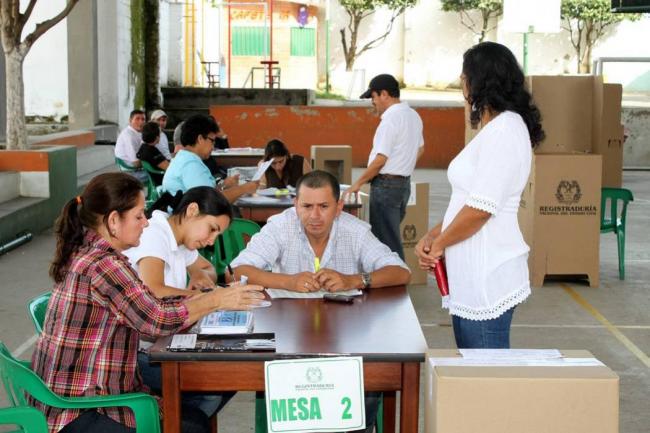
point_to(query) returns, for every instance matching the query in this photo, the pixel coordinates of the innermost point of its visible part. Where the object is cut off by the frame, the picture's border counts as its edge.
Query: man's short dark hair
(196, 125)
(150, 131)
(319, 179)
(134, 113)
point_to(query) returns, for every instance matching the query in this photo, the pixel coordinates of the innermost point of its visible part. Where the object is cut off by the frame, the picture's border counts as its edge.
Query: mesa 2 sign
(568, 194)
(315, 395)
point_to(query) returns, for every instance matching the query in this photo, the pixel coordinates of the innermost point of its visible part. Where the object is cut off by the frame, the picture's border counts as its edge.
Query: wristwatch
(365, 279)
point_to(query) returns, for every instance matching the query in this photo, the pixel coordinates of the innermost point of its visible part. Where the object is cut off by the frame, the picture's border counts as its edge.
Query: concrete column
(83, 93)
(3, 98)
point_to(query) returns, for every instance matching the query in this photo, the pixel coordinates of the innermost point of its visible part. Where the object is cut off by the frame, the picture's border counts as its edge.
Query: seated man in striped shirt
(282, 255)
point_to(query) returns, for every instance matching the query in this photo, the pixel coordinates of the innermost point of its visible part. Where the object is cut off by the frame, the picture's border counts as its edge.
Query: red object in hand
(440, 271)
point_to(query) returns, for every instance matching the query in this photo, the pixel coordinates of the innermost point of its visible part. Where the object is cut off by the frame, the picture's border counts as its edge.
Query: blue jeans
(483, 334)
(208, 403)
(388, 198)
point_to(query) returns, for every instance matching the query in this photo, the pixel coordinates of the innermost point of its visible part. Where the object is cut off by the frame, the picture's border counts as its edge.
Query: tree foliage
(587, 21)
(357, 11)
(489, 10)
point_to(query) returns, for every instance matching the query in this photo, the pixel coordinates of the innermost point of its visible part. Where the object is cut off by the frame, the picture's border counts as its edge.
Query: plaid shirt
(92, 327)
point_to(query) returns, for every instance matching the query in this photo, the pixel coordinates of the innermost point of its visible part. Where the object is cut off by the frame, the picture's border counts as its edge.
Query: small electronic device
(332, 297)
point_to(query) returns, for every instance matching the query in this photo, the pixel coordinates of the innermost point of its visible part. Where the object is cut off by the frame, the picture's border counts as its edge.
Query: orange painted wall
(79, 139)
(23, 160)
(300, 127)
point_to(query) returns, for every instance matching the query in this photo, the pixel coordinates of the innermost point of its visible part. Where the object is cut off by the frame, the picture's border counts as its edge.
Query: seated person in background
(168, 254)
(351, 257)
(187, 169)
(130, 139)
(99, 309)
(286, 169)
(160, 117)
(220, 142)
(149, 151)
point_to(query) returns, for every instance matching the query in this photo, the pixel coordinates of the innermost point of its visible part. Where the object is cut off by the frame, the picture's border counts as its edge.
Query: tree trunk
(16, 128)
(585, 64)
(152, 54)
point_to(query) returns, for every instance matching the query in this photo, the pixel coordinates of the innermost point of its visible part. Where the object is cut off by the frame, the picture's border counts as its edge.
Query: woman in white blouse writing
(485, 253)
(168, 262)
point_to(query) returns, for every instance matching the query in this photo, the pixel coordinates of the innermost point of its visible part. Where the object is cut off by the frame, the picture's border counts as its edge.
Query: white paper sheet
(262, 169)
(549, 362)
(510, 354)
(183, 341)
(256, 199)
(287, 294)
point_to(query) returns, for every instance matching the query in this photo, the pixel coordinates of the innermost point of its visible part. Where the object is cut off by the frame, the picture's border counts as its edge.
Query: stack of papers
(288, 294)
(226, 322)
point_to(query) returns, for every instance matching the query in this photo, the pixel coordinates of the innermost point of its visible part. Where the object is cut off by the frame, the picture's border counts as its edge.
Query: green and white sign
(315, 395)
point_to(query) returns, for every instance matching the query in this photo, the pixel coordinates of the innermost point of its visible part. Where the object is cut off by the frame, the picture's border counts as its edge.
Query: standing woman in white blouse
(485, 253)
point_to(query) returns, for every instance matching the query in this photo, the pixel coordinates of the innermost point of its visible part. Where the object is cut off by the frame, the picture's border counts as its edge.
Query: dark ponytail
(103, 195)
(495, 81)
(209, 200)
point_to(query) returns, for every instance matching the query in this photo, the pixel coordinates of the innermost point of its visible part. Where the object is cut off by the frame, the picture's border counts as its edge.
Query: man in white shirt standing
(396, 147)
(160, 117)
(130, 139)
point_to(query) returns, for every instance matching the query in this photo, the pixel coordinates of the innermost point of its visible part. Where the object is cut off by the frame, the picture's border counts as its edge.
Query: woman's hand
(237, 297)
(199, 281)
(231, 181)
(428, 252)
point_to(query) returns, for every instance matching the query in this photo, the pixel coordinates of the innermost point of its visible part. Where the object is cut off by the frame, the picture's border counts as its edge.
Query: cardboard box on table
(559, 216)
(336, 160)
(413, 227)
(517, 399)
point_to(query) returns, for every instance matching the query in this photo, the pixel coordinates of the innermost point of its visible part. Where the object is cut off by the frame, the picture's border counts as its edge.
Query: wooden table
(260, 209)
(238, 157)
(381, 326)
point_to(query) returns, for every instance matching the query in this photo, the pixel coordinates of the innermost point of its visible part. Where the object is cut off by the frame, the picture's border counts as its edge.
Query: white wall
(174, 45)
(45, 70)
(114, 57)
(431, 43)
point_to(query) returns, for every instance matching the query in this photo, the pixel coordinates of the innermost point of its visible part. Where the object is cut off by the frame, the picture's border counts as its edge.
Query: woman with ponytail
(484, 250)
(168, 255)
(99, 308)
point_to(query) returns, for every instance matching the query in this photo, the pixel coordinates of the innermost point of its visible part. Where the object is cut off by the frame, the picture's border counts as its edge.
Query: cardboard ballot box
(336, 160)
(607, 131)
(413, 227)
(565, 103)
(580, 398)
(559, 216)
(580, 114)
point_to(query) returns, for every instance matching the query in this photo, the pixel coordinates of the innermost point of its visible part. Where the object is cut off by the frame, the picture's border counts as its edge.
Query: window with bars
(250, 41)
(303, 42)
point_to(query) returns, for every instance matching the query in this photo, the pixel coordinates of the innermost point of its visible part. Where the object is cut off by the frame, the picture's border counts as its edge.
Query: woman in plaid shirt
(99, 308)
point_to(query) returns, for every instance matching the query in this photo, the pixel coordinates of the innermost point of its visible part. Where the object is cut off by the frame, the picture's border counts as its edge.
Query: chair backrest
(123, 165)
(27, 418)
(19, 381)
(37, 309)
(234, 241)
(151, 169)
(609, 215)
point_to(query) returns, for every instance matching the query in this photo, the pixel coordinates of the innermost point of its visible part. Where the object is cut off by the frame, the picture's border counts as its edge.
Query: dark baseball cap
(381, 82)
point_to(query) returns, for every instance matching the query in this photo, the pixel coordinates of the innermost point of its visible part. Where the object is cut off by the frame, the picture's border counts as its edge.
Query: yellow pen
(316, 264)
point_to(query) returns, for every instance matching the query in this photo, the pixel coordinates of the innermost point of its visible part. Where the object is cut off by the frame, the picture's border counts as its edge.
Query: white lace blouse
(488, 272)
